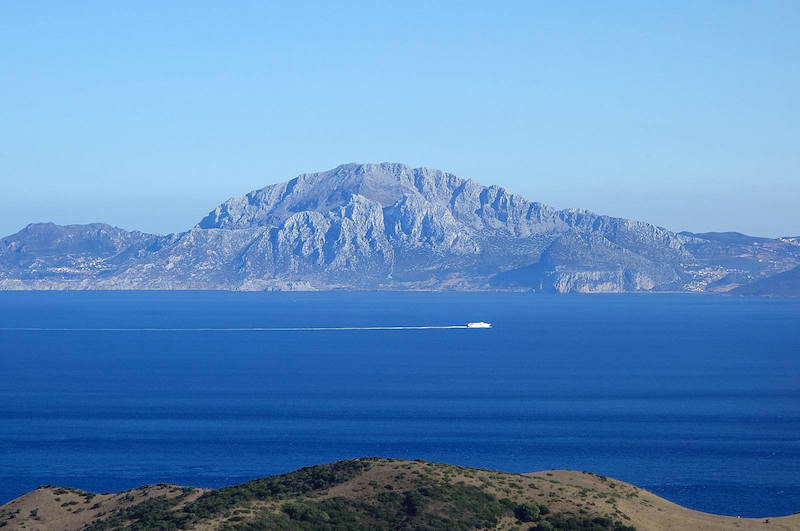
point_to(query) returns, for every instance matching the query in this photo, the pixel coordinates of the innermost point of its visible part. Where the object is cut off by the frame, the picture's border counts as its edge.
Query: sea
(694, 397)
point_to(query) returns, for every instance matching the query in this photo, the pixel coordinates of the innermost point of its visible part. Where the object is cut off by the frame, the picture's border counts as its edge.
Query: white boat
(479, 324)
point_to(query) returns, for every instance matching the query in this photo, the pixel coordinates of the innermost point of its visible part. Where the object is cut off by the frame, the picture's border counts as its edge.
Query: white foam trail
(259, 329)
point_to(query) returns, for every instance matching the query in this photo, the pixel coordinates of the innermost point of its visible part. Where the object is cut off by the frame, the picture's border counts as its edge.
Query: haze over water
(695, 398)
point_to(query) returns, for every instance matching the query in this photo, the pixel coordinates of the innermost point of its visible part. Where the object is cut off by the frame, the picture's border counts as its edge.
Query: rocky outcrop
(367, 226)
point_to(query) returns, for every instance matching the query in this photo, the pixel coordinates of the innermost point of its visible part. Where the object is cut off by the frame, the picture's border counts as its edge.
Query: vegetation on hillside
(409, 495)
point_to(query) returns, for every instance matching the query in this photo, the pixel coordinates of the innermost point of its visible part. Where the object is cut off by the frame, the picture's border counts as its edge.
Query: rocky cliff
(389, 226)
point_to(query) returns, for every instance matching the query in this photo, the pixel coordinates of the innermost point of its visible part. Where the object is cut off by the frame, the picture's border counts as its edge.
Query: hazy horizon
(147, 116)
(201, 215)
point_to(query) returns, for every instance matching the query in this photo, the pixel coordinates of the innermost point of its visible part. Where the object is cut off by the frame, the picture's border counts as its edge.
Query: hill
(389, 226)
(376, 493)
(786, 284)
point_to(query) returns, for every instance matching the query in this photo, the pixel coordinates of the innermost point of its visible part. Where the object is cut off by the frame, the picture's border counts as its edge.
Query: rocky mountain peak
(388, 225)
(384, 183)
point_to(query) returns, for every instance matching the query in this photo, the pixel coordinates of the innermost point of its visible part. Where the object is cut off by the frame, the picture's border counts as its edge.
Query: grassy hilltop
(375, 493)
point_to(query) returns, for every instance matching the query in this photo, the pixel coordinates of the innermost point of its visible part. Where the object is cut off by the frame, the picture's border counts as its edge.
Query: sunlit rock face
(368, 226)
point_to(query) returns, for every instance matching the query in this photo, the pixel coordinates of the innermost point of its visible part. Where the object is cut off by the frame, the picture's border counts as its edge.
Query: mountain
(389, 226)
(376, 493)
(786, 284)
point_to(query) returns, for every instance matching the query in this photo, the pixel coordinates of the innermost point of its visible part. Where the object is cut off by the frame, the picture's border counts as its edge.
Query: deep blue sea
(696, 398)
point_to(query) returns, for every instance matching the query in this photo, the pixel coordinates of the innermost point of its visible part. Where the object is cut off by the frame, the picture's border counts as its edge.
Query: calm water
(696, 398)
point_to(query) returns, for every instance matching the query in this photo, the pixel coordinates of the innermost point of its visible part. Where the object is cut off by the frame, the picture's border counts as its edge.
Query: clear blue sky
(148, 114)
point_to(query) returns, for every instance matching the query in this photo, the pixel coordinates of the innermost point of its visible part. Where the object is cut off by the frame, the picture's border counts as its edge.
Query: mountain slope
(389, 226)
(42, 252)
(376, 493)
(786, 284)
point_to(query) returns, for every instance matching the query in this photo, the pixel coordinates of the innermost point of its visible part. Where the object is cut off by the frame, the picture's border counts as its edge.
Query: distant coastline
(392, 227)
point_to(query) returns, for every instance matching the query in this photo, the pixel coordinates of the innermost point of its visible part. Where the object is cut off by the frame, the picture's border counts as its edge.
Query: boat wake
(243, 329)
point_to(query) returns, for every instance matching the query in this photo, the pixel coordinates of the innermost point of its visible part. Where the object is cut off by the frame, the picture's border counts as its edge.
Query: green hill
(373, 493)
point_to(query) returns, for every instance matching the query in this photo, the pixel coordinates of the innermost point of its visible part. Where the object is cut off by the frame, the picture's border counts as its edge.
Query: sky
(146, 115)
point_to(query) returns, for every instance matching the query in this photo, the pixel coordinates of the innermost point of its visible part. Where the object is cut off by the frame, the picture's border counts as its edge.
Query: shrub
(526, 512)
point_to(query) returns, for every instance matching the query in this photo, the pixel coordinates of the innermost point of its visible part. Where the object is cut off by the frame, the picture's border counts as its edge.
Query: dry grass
(564, 492)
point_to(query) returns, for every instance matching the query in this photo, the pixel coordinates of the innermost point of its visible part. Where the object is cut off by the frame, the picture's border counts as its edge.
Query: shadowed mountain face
(376, 493)
(786, 284)
(367, 226)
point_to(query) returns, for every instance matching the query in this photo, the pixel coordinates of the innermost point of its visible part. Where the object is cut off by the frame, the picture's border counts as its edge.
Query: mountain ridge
(390, 226)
